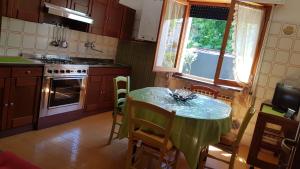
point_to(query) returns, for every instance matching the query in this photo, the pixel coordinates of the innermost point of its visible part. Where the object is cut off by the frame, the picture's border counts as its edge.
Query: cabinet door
(127, 23)
(107, 94)
(81, 6)
(28, 10)
(93, 93)
(98, 13)
(113, 23)
(62, 3)
(24, 101)
(4, 91)
(4, 7)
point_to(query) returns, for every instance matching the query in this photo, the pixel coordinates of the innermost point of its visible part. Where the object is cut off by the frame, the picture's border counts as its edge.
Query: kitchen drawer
(109, 71)
(27, 71)
(5, 72)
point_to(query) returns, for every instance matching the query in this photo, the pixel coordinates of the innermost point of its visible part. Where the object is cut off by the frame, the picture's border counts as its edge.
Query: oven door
(63, 94)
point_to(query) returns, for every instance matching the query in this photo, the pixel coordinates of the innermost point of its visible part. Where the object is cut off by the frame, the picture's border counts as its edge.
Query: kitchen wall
(280, 62)
(18, 36)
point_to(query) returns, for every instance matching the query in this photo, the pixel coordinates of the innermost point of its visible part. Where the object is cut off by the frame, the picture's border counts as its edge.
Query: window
(215, 43)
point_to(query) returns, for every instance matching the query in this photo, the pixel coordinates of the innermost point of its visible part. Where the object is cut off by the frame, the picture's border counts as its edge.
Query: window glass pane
(171, 27)
(202, 47)
(238, 61)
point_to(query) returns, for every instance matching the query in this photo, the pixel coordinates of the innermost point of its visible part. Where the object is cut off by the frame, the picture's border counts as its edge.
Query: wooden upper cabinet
(62, 3)
(113, 23)
(98, 13)
(4, 7)
(81, 6)
(127, 24)
(28, 10)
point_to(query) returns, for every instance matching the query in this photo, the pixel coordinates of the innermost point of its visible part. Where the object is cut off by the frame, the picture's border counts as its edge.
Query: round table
(198, 122)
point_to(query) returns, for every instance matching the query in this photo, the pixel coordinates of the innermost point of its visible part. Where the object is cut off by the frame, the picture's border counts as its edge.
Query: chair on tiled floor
(121, 89)
(149, 137)
(230, 141)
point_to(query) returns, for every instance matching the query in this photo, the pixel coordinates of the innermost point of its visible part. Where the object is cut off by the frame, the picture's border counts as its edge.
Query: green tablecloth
(198, 122)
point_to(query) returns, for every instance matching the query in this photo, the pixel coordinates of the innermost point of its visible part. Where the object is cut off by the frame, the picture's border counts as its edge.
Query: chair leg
(129, 154)
(232, 160)
(112, 128)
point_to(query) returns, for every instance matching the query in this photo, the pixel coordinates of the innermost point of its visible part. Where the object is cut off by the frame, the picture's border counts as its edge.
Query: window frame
(216, 80)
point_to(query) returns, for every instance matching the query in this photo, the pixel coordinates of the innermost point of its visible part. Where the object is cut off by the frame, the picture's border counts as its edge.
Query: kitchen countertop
(21, 61)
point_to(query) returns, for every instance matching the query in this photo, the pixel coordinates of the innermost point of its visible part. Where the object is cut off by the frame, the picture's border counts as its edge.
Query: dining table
(198, 123)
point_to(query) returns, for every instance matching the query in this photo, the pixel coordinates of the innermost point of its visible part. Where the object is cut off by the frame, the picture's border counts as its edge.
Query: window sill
(182, 76)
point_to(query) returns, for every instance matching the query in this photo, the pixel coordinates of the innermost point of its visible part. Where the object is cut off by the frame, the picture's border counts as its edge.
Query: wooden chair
(230, 141)
(156, 145)
(120, 93)
(205, 90)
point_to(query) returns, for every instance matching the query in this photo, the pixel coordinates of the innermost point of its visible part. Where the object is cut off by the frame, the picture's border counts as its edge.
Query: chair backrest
(134, 122)
(245, 122)
(205, 90)
(121, 90)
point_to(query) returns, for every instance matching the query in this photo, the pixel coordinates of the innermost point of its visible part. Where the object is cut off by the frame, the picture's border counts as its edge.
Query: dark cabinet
(20, 96)
(62, 3)
(4, 7)
(127, 24)
(28, 10)
(99, 96)
(98, 13)
(81, 6)
(114, 18)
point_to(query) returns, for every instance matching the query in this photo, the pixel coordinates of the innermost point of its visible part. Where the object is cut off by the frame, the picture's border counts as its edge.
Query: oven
(62, 92)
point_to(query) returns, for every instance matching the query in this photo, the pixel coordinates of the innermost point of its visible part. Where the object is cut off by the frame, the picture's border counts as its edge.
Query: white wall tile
(275, 28)
(282, 56)
(73, 46)
(293, 73)
(263, 80)
(295, 59)
(269, 55)
(272, 41)
(278, 70)
(74, 35)
(5, 22)
(28, 41)
(265, 67)
(43, 29)
(14, 40)
(13, 52)
(285, 43)
(297, 46)
(83, 37)
(3, 38)
(41, 43)
(273, 81)
(2, 52)
(16, 25)
(269, 94)
(260, 92)
(30, 27)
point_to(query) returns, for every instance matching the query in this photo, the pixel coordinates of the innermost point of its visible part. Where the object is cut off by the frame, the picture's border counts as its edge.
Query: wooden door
(113, 23)
(93, 93)
(81, 6)
(98, 13)
(62, 3)
(24, 101)
(107, 94)
(28, 10)
(4, 95)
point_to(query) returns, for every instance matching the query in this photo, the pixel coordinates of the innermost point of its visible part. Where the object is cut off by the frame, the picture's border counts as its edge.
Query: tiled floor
(82, 145)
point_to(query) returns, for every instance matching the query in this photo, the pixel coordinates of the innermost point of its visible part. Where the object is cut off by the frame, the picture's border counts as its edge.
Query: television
(285, 97)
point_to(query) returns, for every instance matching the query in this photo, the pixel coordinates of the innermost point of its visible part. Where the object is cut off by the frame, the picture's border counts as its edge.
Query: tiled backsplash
(19, 36)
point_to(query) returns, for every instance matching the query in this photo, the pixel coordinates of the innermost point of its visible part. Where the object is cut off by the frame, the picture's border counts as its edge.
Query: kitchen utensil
(54, 42)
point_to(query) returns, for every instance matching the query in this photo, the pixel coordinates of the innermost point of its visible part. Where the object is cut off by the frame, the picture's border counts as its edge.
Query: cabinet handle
(12, 104)
(5, 105)
(28, 72)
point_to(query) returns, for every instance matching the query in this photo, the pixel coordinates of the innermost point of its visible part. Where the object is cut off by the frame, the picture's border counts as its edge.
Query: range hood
(68, 13)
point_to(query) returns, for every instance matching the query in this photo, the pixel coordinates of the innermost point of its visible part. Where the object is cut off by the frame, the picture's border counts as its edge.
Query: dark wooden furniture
(100, 90)
(288, 128)
(28, 10)
(20, 89)
(62, 3)
(98, 13)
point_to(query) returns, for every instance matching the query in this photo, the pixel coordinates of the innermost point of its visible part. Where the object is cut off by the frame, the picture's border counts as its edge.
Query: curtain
(248, 23)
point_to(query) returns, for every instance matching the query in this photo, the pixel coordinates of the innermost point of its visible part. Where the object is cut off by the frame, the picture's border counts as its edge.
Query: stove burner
(52, 59)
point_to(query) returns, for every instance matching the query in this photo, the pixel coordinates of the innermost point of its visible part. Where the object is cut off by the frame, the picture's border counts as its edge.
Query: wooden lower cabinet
(20, 97)
(99, 96)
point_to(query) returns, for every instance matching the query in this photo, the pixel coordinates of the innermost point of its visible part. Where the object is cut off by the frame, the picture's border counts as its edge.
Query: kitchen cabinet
(114, 18)
(98, 13)
(81, 6)
(62, 3)
(4, 7)
(127, 24)
(20, 96)
(28, 10)
(99, 96)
